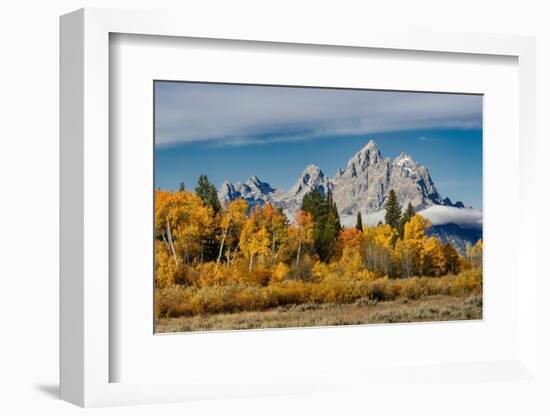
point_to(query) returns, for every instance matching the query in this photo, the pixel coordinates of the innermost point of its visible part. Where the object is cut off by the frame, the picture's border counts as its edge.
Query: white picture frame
(86, 356)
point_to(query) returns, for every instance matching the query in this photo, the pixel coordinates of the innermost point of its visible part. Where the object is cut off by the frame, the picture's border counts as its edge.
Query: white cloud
(437, 214)
(242, 115)
(371, 219)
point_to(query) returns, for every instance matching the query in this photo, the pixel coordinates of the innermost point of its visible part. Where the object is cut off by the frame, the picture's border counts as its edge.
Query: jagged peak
(362, 184)
(371, 145)
(313, 168)
(312, 177)
(254, 180)
(366, 156)
(312, 173)
(371, 148)
(227, 185)
(255, 183)
(404, 159)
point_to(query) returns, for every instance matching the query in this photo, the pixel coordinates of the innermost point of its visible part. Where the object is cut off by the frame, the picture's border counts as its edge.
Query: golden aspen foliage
(378, 249)
(301, 233)
(352, 263)
(415, 228)
(279, 272)
(260, 260)
(433, 258)
(383, 235)
(165, 269)
(275, 223)
(254, 239)
(320, 270)
(474, 254)
(232, 218)
(453, 263)
(407, 255)
(182, 221)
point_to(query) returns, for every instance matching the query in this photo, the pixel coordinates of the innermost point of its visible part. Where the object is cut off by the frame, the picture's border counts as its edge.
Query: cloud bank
(437, 214)
(466, 217)
(244, 115)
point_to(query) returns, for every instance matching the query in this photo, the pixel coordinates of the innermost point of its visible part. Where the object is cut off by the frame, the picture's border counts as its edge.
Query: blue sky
(235, 131)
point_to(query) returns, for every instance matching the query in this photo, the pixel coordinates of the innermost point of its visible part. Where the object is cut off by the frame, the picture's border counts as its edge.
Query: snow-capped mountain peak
(368, 155)
(254, 191)
(255, 184)
(311, 178)
(362, 186)
(404, 160)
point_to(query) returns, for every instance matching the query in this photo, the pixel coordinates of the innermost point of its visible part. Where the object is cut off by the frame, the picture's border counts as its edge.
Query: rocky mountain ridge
(362, 185)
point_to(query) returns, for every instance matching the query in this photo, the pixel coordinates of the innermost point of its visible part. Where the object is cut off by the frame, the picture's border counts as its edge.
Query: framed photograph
(251, 233)
(274, 212)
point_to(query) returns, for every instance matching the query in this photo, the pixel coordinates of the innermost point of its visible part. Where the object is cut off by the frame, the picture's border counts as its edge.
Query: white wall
(29, 178)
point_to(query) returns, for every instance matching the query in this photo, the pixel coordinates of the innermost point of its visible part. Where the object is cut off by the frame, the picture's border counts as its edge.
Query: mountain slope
(362, 185)
(367, 179)
(458, 236)
(254, 191)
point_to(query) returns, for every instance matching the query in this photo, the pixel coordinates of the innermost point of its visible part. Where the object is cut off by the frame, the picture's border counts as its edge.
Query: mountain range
(363, 185)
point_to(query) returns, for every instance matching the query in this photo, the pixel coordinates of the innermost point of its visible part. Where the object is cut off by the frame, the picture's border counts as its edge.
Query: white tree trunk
(171, 242)
(221, 246)
(235, 252)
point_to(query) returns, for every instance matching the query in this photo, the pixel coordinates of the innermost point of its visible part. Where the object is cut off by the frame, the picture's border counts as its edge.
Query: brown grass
(362, 311)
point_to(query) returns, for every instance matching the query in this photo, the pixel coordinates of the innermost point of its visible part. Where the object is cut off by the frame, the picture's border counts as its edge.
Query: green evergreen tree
(208, 193)
(409, 212)
(332, 228)
(407, 215)
(314, 203)
(182, 186)
(393, 210)
(326, 222)
(359, 223)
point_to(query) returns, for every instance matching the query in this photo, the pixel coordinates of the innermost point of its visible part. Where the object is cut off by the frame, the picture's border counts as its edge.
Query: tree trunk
(228, 258)
(221, 247)
(187, 250)
(235, 252)
(273, 252)
(250, 263)
(298, 254)
(171, 242)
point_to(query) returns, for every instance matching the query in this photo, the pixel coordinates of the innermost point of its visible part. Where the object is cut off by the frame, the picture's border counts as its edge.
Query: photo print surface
(280, 206)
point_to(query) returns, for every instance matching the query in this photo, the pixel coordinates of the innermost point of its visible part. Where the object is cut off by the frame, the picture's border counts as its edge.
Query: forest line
(235, 257)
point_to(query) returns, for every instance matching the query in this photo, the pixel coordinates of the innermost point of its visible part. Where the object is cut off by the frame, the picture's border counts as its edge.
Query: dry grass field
(363, 311)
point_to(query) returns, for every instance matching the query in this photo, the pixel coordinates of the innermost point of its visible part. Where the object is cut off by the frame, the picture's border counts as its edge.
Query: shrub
(302, 271)
(209, 274)
(320, 270)
(411, 288)
(380, 290)
(231, 296)
(467, 283)
(279, 272)
(166, 272)
(259, 276)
